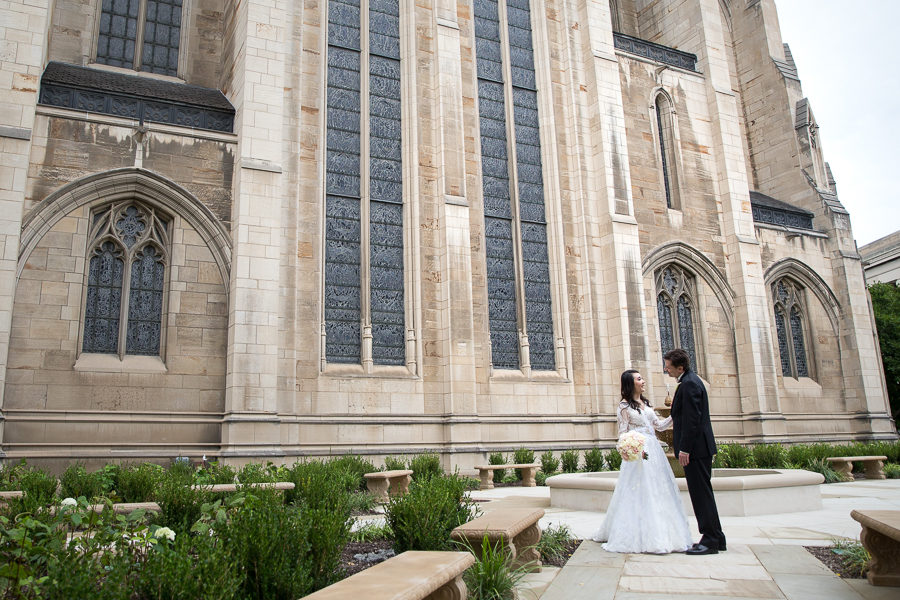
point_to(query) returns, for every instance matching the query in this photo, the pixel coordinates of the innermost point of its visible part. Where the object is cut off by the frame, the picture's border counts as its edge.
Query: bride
(645, 513)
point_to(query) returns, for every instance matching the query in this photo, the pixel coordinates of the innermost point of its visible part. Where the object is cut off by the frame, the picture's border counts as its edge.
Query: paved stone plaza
(765, 557)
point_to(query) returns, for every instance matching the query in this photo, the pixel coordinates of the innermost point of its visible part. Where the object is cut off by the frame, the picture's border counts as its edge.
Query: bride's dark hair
(628, 389)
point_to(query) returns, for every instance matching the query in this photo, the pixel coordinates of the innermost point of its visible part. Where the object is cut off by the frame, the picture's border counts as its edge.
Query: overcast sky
(846, 53)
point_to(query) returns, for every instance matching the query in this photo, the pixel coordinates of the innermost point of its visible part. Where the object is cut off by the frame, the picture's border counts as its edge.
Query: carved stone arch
(659, 90)
(725, 7)
(802, 273)
(123, 184)
(696, 262)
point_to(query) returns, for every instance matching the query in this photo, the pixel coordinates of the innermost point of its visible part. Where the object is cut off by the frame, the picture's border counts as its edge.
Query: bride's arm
(661, 424)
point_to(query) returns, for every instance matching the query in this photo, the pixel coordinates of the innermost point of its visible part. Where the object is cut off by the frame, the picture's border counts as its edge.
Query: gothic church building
(266, 230)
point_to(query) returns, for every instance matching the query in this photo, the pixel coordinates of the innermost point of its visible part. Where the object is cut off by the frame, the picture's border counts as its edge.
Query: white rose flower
(165, 532)
(69, 502)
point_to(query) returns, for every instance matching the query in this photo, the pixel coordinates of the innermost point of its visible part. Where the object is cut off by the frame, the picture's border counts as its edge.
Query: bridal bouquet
(631, 446)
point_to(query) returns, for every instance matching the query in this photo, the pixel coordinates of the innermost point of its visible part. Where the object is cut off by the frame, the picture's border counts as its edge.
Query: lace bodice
(643, 421)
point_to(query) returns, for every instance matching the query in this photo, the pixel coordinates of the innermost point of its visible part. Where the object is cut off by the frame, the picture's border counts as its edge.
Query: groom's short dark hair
(678, 358)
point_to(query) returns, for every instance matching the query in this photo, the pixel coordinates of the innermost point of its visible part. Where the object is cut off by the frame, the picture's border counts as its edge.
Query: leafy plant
(854, 556)
(215, 472)
(39, 490)
(423, 518)
(540, 478)
(522, 456)
(394, 463)
(554, 541)
(425, 466)
(497, 458)
(549, 463)
(179, 505)
(137, 483)
(256, 473)
(769, 456)
(820, 465)
(198, 566)
(734, 456)
(371, 531)
(613, 459)
(570, 460)
(354, 465)
(361, 502)
(892, 471)
(593, 460)
(886, 309)
(492, 577)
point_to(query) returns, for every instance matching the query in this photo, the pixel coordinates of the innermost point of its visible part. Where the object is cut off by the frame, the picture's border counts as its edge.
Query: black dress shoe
(722, 547)
(697, 549)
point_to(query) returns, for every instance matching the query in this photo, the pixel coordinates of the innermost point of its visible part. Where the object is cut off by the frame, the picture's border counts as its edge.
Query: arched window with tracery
(789, 328)
(127, 260)
(665, 134)
(675, 302)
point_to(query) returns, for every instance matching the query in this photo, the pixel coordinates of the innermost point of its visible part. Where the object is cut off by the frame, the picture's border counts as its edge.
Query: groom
(695, 447)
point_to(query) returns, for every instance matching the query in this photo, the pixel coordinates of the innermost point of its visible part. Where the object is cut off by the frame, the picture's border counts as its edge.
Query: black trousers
(698, 474)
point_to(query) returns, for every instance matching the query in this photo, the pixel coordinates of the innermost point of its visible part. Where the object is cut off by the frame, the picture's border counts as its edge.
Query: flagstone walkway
(765, 557)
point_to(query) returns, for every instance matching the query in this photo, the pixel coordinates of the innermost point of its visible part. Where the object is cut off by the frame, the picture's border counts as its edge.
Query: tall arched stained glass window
(364, 186)
(518, 273)
(123, 315)
(789, 328)
(674, 307)
(665, 134)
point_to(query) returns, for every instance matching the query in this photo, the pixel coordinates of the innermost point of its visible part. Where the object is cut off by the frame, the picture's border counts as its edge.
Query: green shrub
(734, 456)
(540, 478)
(355, 465)
(318, 484)
(522, 456)
(109, 480)
(179, 505)
(892, 471)
(361, 502)
(181, 470)
(497, 458)
(215, 473)
(256, 473)
(549, 463)
(799, 454)
(593, 460)
(569, 460)
(76, 481)
(270, 543)
(39, 490)
(198, 566)
(613, 459)
(769, 456)
(423, 518)
(426, 466)
(510, 478)
(820, 465)
(394, 463)
(553, 541)
(137, 483)
(492, 577)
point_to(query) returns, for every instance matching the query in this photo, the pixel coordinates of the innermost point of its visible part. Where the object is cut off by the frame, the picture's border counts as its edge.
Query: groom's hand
(684, 458)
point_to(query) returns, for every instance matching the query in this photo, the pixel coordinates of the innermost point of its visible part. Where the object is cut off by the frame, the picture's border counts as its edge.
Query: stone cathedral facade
(265, 230)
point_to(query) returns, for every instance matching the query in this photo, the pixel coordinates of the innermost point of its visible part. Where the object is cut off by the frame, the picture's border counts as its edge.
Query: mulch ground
(351, 565)
(832, 561)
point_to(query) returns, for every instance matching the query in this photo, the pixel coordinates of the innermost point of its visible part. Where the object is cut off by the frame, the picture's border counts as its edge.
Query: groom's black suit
(693, 434)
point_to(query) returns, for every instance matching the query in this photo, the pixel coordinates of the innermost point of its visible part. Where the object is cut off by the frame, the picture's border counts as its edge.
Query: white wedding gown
(645, 513)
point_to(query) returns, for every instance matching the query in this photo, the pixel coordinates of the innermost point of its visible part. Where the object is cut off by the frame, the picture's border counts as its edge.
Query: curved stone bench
(739, 492)
(517, 527)
(381, 482)
(881, 537)
(874, 465)
(486, 474)
(412, 575)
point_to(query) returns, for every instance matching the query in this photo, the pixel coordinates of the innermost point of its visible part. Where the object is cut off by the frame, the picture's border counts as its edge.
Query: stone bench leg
(874, 469)
(528, 477)
(487, 479)
(455, 589)
(527, 554)
(884, 568)
(378, 488)
(400, 485)
(844, 468)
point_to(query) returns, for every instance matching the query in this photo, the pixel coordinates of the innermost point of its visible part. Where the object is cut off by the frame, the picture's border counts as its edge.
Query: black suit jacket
(690, 418)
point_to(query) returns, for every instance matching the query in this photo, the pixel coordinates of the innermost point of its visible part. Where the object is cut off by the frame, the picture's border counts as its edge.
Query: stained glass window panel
(686, 330)
(104, 300)
(162, 37)
(666, 334)
(118, 32)
(783, 349)
(799, 345)
(145, 303)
